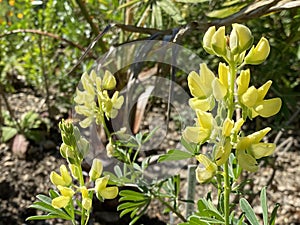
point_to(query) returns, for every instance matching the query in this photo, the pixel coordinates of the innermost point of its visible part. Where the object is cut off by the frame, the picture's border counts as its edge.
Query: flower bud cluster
(96, 88)
(74, 150)
(209, 91)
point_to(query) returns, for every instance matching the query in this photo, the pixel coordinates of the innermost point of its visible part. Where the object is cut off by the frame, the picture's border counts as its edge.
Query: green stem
(81, 182)
(227, 190)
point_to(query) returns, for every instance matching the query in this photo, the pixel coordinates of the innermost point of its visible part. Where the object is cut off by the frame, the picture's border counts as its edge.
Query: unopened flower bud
(227, 127)
(258, 54)
(245, 38)
(96, 169)
(109, 81)
(207, 39)
(218, 43)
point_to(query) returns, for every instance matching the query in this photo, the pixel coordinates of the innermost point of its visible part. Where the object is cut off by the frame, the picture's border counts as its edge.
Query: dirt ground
(24, 176)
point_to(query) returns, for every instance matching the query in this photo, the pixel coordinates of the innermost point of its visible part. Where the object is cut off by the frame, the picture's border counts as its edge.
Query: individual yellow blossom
(259, 53)
(250, 148)
(63, 200)
(206, 169)
(109, 149)
(227, 127)
(109, 81)
(222, 153)
(201, 89)
(74, 171)
(103, 192)
(202, 131)
(243, 82)
(254, 98)
(96, 169)
(86, 200)
(64, 179)
(20, 15)
(111, 105)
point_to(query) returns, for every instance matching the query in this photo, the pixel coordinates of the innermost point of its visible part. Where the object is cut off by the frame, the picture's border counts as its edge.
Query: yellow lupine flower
(202, 131)
(60, 202)
(244, 37)
(103, 192)
(227, 127)
(201, 89)
(64, 179)
(250, 148)
(109, 81)
(259, 53)
(243, 81)
(206, 169)
(86, 201)
(96, 169)
(222, 153)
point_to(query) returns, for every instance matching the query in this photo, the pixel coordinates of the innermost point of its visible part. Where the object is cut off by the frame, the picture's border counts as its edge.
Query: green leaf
(44, 199)
(49, 208)
(118, 171)
(43, 217)
(225, 12)
(8, 133)
(249, 213)
(169, 7)
(174, 154)
(129, 195)
(263, 202)
(273, 214)
(157, 15)
(188, 146)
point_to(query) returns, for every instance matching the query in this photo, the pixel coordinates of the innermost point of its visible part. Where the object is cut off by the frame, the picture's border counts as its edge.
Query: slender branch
(94, 27)
(43, 33)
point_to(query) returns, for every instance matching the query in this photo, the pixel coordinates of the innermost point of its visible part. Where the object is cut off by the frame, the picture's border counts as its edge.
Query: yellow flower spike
(219, 90)
(206, 104)
(245, 38)
(246, 161)
(243, 82)
(218, 42)
(223, 72)
(207, 39)
(195, 85)
(259, 53)
(260, 150)
(96, 169)
(65, 191)
(206, 169)
(60, 202)
(227, 127)
(105, 192)
(109, 81)
(86, 201)
(269, 107)
(249, 98)
(223, 152)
